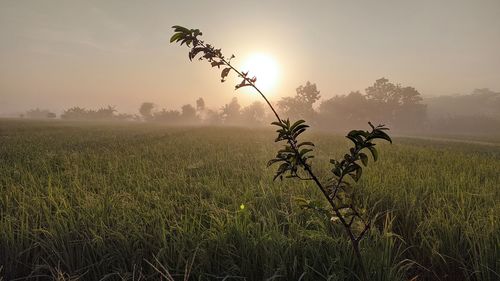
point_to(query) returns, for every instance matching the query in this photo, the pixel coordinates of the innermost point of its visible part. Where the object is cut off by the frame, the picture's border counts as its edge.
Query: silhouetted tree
(344, 111)
(230, 113)
(103, 113)
(39, 114)
(79, 113)
(480, 102)
(167, 116)
(200, 104)
(146, 110)
(395, 105)
(212, 117)
(189, 114)
(254, 114)
(74, 113)
(301, 105)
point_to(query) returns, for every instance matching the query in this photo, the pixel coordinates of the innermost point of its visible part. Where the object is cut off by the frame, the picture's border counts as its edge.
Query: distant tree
(213, 117)
(74, 113)
(301, 105)
(103, 113)
(344, 111)
(39, 114)
(146, 110)
(480, 102)
(167, 116)
(230, 113)
(254, 114)
(200, 104)
(189, 114)
(127, 117)
(393, 104)
(384, 102)
(79, 113)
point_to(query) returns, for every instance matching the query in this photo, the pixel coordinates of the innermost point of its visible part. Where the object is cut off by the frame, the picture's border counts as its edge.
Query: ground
(135, 201)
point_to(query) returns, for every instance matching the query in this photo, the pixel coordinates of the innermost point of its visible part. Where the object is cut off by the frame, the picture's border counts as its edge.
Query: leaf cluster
(295, 154)
(209, 53)
(362, 140)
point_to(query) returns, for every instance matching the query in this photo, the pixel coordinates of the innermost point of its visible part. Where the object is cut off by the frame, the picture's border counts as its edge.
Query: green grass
(116, 201)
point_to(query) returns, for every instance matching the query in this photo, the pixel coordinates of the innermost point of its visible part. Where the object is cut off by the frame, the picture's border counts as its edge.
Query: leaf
(337, 171)
(282, 169)
(195, 51)
(176, 37)
(217, 63)
(298, 132)
(296, 124)
(224, 73)
(304, 151)
(273, 161)
(357, 133)
(378, 134)
(351, 168)
(305, 143)
(278, 124)
(364, 158)
(355, 140)
(182, 29)
(356, 176)
(374, 152)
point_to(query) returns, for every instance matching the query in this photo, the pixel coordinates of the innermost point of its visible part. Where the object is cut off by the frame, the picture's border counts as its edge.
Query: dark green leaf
(356, 176)
(374, 152)
(296, 124)
(364, 158)
(305, 143)
(278, 124)
(378, 134)
(304, 151)
(351, 168)
(175, 37)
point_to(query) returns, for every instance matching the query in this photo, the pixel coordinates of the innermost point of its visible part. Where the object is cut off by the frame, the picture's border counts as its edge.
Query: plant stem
(350, 234)
(347, 227)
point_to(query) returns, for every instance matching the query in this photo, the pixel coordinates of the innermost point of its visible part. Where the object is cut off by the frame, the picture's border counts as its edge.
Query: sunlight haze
(59, 54)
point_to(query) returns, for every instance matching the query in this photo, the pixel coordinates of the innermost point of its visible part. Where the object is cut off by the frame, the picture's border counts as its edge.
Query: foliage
(301, 105)
(400, 107)
(79, 113)
(200, 104)
(295, 155)
(39, 114)
(146, 110)
(480, 102)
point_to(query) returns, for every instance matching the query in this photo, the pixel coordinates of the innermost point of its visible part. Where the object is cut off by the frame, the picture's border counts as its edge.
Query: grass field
(133, 201)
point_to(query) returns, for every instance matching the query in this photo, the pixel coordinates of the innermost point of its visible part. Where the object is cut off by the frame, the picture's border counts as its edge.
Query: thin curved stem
(253, 86)
(347, 226)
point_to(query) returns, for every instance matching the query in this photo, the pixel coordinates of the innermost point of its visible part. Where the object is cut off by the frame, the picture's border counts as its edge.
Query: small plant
(294, 158)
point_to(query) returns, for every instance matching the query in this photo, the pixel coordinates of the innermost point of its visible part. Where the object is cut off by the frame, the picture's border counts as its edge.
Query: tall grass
(117, 201)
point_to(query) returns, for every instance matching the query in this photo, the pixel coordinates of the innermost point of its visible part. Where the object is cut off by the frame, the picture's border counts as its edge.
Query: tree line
(400, 107)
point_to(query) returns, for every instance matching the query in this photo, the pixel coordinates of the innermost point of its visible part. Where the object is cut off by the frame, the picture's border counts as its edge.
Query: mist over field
(403, 109)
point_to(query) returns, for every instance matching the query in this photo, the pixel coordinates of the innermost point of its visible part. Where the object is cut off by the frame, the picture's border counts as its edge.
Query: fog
(101, 60)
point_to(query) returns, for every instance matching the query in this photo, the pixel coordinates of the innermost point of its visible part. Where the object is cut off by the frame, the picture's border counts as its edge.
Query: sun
(265, 68)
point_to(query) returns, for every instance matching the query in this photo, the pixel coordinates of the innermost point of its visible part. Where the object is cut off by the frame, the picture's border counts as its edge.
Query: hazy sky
(57, 54)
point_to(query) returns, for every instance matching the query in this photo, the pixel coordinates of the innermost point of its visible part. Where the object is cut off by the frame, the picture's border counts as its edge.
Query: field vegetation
(135, 201)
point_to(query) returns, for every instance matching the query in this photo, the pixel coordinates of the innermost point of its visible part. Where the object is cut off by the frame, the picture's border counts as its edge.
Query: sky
(59, 54)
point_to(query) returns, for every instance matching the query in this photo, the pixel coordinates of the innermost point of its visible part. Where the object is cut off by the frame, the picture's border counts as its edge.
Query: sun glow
(265, 68)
